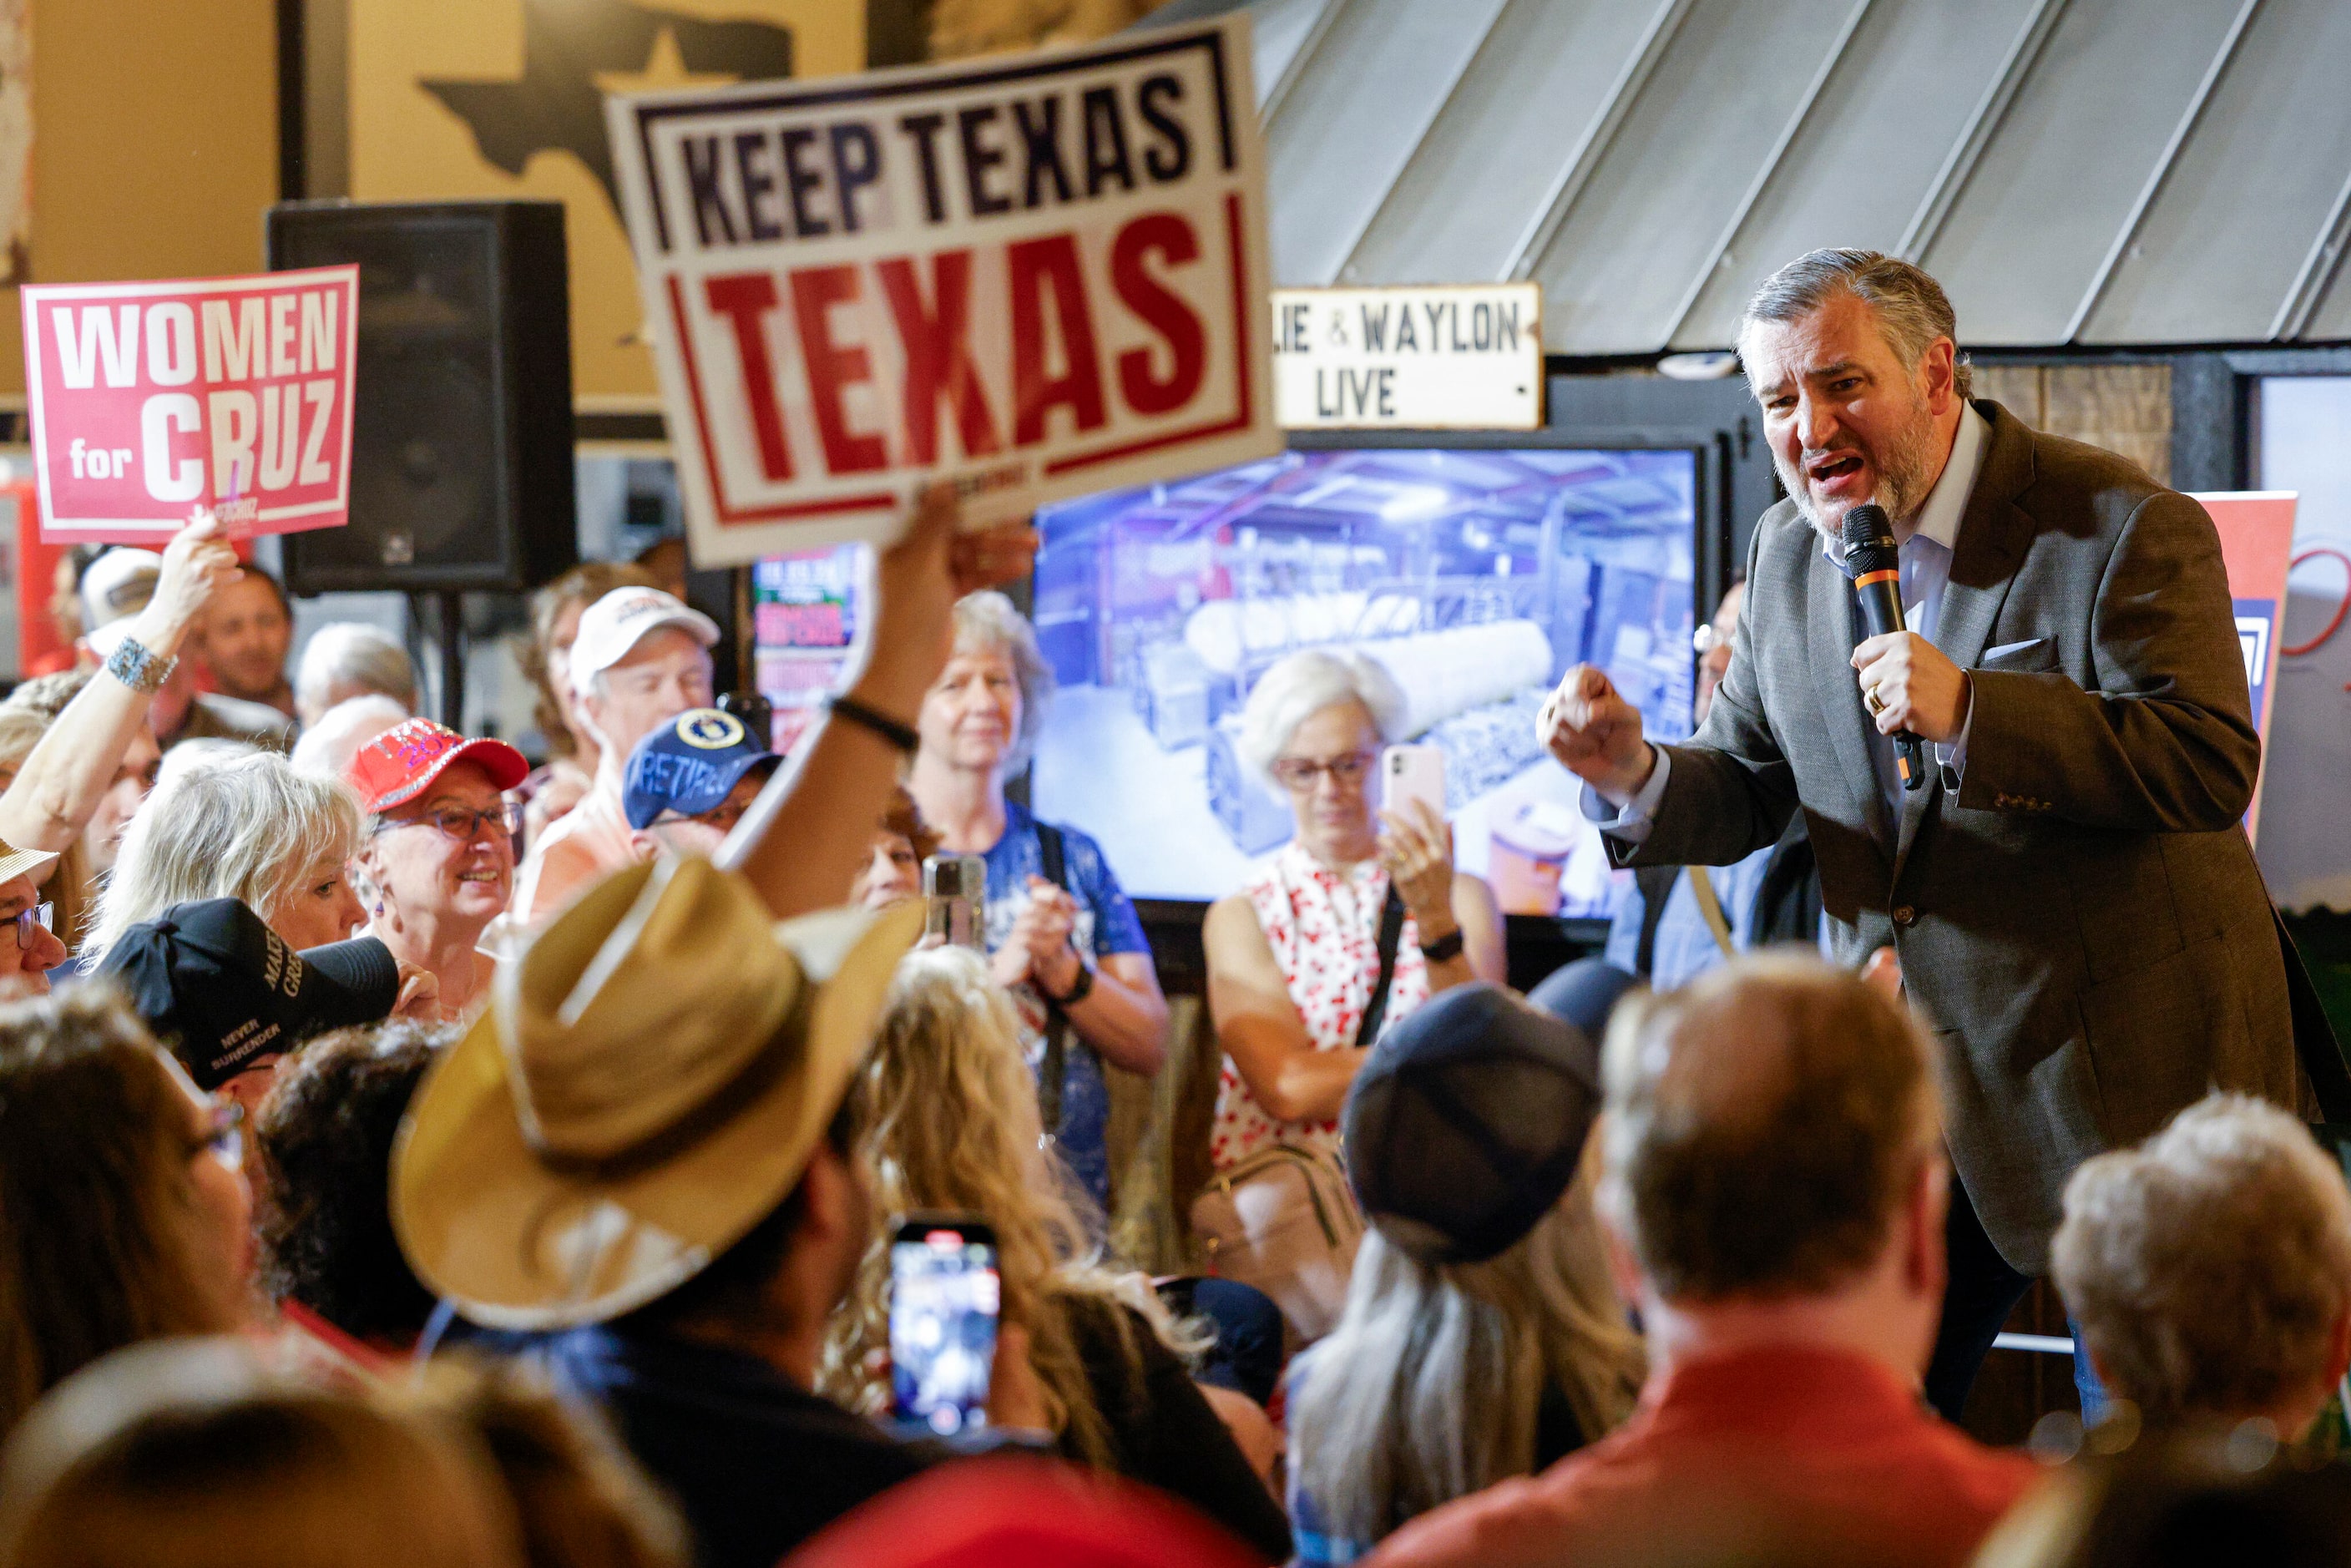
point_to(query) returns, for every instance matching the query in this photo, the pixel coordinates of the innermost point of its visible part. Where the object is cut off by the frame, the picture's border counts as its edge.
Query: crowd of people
(409, 1154)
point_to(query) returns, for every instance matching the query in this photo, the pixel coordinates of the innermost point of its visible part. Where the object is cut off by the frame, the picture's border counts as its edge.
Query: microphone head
(1867, 531)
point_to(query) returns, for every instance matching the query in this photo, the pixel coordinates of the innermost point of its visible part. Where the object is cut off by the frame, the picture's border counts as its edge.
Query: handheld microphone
(1874, 563)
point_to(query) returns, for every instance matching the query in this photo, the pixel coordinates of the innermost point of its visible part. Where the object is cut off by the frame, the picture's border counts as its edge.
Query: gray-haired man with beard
(2072, 895)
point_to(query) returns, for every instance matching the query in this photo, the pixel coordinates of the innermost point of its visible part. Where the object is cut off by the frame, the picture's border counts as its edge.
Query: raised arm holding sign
(1036, 277)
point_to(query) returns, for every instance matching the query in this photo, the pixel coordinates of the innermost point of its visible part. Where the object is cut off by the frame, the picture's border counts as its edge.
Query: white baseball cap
(616, 623)
(118, 584)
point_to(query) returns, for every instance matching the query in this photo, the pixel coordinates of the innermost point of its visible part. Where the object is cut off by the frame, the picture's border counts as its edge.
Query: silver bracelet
(139, 668)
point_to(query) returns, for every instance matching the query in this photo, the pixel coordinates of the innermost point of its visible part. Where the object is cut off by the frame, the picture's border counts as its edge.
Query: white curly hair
(1303, 685)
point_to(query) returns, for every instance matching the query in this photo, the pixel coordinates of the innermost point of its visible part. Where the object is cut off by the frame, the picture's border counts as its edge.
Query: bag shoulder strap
(1051, 855)
(1055, 1068)
(1375, 1011)
(1322, 1175)
(1710, 906)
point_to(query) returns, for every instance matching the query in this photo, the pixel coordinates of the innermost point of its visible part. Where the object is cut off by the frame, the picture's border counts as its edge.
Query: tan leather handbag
(1284, 1221)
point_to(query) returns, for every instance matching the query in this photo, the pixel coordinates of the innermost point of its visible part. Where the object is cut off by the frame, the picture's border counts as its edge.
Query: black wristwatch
(1445, 946)
(1080, 989)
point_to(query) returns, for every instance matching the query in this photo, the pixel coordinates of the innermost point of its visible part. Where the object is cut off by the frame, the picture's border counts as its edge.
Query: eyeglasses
(1299, 774)
(224, 1137)
(1705, 640)
(461, 824)
(26, 921)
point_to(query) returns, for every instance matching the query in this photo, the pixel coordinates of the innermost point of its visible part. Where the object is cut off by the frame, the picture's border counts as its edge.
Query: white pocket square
(2011, 650)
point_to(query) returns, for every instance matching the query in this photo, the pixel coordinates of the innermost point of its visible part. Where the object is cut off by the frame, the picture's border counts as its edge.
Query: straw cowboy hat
(16, 862)
(649, 1082)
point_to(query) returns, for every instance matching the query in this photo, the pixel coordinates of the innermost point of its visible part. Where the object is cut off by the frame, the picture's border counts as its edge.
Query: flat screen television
(1476, 574)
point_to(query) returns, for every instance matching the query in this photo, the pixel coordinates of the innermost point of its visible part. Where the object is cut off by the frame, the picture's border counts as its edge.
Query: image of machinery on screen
(1475, 576)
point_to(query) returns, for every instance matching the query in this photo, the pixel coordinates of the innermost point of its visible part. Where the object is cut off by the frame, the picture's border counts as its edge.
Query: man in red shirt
(1774, 1191)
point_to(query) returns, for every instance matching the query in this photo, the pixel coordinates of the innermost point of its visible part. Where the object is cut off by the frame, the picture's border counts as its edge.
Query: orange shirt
(587, 843)
(1781, 1454)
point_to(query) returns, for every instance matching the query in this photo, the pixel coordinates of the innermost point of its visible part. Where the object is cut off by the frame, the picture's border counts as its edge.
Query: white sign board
(1042, 275)
(1457, 357)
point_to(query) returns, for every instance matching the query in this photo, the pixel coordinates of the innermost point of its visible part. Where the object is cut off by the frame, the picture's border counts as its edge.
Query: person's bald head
(1765, 1125)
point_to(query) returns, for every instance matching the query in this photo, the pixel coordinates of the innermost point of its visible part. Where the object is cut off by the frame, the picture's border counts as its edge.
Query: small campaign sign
(150, 403)
(1445, 357)
(1040, 277)
(2256, 528)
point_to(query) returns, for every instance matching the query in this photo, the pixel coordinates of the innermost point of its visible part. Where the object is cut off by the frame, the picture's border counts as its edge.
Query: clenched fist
(1597, 734)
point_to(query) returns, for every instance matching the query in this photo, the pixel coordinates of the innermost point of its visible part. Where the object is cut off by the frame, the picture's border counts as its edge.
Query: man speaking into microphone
(2070, 890)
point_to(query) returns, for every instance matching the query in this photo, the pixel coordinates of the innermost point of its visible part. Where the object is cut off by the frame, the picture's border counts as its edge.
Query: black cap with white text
(225, 992)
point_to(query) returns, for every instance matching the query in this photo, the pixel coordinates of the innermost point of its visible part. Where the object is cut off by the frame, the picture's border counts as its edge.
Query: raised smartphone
(757, 714)
(1413, 773)
(944, 1293)
(954, 899)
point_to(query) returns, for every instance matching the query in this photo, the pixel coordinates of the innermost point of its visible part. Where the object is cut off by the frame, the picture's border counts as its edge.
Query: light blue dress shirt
(1686, 947)
(1926, 566)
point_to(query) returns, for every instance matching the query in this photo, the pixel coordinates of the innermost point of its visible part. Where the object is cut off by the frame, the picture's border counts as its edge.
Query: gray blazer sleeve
(2165, 740)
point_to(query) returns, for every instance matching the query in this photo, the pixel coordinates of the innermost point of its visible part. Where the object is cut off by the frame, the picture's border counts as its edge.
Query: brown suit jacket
(2081, 921)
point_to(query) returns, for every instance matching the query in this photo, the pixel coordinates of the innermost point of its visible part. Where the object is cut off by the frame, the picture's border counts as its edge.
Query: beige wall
(962, 28)
(2125, 409)
(407, 146)
(154, 144)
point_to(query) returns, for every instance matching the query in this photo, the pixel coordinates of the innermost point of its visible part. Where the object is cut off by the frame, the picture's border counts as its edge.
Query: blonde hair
(186, 1454)
(948, 1119)
(988, 620)
(1429, 1387)
(251, 828)
(21, 729)
(2209, 1267)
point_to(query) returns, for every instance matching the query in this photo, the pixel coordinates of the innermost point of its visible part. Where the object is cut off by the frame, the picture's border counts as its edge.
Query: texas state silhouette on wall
(571, 51)
(502, 99)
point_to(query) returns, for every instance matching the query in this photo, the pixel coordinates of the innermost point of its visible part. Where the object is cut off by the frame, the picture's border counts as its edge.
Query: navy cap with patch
(689, 766)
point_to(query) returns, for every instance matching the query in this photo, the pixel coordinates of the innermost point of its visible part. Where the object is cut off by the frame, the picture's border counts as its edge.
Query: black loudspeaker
(462, 452)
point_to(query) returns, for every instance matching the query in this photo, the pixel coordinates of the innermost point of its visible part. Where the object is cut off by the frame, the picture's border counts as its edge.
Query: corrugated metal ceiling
(2093, 172)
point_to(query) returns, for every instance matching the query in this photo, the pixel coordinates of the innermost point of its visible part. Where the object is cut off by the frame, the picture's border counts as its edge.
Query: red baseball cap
(401, 763)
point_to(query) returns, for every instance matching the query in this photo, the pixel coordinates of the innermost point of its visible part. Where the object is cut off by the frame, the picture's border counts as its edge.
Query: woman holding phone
(947, 1120)
(1294, 955)
(1296, 961)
